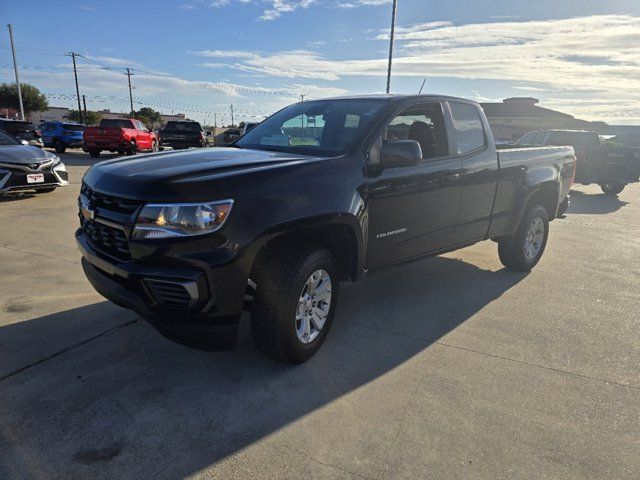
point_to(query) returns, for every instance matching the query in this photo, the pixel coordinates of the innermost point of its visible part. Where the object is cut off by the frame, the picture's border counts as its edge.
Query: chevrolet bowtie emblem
(87, 212)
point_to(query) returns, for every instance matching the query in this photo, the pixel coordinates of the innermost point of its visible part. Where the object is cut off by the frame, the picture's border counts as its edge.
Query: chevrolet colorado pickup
(319, 193)
(122, 135)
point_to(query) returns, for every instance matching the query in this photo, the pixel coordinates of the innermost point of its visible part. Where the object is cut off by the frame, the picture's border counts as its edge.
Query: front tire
(612, 188)
(295, 301)
(523, 250)
(154, 147)
(94, 153)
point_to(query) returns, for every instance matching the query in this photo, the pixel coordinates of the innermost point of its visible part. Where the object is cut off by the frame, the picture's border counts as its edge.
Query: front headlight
(157, 221)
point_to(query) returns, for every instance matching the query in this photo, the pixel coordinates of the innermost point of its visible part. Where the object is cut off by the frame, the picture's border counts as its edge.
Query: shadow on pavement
(131, 404)
(583, 203)
(12, 197)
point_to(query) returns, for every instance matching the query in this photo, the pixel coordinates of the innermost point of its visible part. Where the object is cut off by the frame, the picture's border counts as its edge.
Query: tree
(92, 117)
(32, 99)
(148, 116)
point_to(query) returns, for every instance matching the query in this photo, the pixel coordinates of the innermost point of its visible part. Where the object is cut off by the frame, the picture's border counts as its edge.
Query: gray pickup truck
(319, 193)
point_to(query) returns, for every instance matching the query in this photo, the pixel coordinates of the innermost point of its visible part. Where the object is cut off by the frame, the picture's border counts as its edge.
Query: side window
(527, 139)
(425, 125)
(468, 127)
(539, 138)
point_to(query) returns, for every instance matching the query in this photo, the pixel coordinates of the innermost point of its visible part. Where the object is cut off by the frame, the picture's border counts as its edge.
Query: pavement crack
(501, 357)
(67, 349)
(27, 252)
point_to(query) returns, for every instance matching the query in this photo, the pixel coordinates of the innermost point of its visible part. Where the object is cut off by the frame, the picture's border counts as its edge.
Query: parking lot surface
(450, 367)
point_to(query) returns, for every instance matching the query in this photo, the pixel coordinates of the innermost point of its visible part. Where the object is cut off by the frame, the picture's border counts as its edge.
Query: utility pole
(128, 74)
(15, 68)
(232, 124)
(84, 104)
(393, 30)
(302, 98)
(73, 56)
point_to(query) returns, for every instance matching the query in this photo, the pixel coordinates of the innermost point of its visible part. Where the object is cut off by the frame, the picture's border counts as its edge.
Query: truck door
(144, 137)
(413, 209)
(479, 171)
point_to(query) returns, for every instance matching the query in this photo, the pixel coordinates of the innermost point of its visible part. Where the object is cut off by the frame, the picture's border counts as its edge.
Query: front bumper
(196, 304)
(14, 179)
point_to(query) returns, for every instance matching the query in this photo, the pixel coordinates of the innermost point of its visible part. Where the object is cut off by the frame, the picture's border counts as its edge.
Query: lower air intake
(172, 294)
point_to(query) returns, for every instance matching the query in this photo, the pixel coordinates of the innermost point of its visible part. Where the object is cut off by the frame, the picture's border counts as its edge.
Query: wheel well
(546, 197)
(338, 239)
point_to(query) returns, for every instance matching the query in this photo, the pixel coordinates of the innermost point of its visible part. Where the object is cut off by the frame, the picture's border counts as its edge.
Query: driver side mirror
(400, 153)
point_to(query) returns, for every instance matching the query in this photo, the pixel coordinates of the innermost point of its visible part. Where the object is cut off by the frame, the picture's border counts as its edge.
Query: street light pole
(15, 68)
(393, 29)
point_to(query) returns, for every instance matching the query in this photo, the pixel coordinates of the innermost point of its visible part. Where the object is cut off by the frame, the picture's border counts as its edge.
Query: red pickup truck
(125, 136)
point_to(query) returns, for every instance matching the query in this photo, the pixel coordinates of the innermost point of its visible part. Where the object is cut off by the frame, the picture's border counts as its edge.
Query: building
(514, 117)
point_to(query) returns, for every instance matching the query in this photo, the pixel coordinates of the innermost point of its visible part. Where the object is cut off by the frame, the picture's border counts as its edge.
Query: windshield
(324, 127)
(183, 126)
(7, 140)
(16, 126)
(74, 128)
(115, 123)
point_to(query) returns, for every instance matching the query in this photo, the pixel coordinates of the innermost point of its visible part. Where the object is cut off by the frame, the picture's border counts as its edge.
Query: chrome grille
(115, 204)
(109, 240)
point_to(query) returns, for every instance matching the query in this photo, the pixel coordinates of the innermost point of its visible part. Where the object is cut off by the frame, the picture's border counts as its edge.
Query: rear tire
(290, 317)
(523, 250)
(94, 153)
(133, 148)
(59, 146)
(612, 188)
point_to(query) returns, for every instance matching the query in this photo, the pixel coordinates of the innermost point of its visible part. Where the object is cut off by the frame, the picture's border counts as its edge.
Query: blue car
(61, 135)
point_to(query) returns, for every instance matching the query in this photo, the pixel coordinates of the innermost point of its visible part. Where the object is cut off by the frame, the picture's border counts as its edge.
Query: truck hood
(188, 174)
(23, 154)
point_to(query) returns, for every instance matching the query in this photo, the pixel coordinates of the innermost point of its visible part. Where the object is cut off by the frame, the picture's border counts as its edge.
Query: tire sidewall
(530, 216)
(295, 349)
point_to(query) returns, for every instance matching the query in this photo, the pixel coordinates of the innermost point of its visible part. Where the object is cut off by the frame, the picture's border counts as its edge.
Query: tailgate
(103, 134)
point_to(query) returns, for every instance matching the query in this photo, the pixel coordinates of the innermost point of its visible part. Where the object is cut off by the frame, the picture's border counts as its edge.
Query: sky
(200, 56)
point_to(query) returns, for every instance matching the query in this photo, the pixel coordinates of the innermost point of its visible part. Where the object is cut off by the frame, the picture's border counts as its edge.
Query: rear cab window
(468, 128)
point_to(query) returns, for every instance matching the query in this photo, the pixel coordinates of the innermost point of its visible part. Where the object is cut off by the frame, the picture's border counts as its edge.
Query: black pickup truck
(609, 165)
(319, 193)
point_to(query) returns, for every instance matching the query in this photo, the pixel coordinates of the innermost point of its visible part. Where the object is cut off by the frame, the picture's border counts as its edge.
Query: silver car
(23, 167)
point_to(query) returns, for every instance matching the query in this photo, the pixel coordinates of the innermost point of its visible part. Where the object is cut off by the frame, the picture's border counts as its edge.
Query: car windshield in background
(15, 127)
(7, 140)
(73, 128)
(182, 127)
(325, 127)
(115, 123)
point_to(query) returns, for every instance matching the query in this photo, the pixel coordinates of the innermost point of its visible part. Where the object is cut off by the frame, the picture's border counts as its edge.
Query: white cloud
(594, 54)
